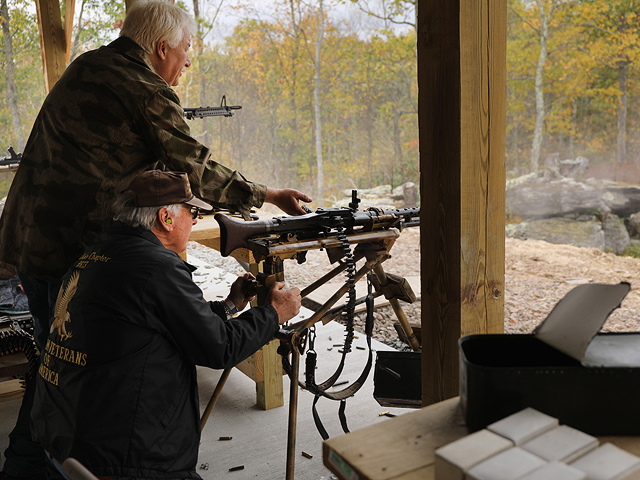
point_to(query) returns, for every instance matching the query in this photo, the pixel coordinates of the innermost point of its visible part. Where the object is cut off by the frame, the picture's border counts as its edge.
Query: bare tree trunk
(539, 85)
(316, 102)
(293, 147)
(12, 94)
(623, 67)
(76, 41)
(397, 147)
(202, 84)
(574, 128)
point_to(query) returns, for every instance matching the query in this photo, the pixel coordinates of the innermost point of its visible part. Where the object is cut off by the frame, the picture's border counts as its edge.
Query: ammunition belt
(320, 390)
(16, 340)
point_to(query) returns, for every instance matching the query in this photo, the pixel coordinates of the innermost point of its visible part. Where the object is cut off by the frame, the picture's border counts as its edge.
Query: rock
(586, 232)
(624, 200)
(550, 198)
(616, 237)
(552, 166)
(633, 224)
(411, 194)
(574, 168)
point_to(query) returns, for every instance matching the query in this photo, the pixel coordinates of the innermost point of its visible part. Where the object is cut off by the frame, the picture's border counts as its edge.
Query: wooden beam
(52, 41)
(69, 10)
(461, 78)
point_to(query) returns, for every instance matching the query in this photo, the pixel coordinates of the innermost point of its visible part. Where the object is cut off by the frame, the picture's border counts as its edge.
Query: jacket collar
(120, 228)
(134, 51)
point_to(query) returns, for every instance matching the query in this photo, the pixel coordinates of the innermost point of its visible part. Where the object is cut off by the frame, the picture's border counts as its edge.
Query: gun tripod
(374, 248)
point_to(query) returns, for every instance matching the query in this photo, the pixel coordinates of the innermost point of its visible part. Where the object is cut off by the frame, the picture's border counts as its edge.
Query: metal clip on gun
(223, 110)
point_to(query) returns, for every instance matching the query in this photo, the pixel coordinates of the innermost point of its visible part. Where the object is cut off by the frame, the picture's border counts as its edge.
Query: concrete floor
(259, 438)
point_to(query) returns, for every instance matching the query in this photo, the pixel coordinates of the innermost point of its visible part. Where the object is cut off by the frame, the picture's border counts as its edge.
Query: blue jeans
(24, 457)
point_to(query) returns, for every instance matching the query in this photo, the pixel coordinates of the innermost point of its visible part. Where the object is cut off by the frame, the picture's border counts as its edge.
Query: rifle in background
(11, 162)
(223, 110)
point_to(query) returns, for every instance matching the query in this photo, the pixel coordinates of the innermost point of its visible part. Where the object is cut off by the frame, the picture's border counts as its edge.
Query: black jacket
(117, 387)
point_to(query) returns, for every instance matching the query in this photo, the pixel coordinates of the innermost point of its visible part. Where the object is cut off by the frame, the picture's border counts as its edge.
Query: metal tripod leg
(293, 412)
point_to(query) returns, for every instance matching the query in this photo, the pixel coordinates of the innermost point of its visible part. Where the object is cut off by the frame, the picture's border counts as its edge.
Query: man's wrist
(230, 307)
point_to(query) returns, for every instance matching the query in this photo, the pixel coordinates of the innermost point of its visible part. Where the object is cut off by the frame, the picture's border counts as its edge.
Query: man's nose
(188, 63)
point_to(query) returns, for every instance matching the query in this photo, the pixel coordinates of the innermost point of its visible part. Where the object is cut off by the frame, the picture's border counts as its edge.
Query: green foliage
(632, 251)
(27, 68)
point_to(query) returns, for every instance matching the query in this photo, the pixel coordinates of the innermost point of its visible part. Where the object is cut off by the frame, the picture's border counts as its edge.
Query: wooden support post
(52, 41)
(462, 118)
(69, 10)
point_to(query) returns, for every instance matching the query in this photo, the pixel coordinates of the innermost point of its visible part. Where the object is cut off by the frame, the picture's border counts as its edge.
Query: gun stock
(235, 233)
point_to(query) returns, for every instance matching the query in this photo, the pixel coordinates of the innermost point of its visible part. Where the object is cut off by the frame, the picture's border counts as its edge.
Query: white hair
(144, 217)
(150, 21)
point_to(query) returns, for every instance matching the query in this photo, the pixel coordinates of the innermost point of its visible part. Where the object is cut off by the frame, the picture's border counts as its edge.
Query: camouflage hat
(155, 188)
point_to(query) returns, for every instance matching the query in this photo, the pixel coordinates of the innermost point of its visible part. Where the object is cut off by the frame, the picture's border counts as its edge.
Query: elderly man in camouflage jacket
(110, 116)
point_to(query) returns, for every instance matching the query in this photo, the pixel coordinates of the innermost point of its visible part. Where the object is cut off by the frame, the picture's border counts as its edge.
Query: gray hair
(149, 22)
(144, 217)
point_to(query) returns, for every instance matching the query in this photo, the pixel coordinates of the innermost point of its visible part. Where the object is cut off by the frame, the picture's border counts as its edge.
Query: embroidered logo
(61, 316)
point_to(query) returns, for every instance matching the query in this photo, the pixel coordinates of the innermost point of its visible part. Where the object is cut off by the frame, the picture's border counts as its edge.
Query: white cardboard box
(454, 459)
(608, 462)
(563, 444)
(524, 425)
(555, 471)
(508, 465)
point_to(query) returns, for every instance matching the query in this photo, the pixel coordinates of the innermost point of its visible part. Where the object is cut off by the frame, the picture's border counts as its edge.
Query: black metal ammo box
(566, 369)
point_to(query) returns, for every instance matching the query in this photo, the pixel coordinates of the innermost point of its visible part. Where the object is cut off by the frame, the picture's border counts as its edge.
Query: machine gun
(317, 227)
(12, 161)
(223, 110)
(373, 231)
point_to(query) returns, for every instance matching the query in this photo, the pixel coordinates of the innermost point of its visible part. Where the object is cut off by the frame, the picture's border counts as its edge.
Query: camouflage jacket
(109, 117)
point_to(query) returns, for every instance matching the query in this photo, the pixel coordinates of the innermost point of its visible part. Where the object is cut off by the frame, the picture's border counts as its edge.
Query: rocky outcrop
(581, 231)
(559, 210)
(531, 197)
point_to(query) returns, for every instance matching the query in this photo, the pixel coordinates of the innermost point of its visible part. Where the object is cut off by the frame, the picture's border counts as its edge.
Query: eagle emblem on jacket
(61, 317)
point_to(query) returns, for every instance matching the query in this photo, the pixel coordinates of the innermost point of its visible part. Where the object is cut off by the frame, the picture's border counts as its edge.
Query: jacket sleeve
(167, 130)
(176, 308)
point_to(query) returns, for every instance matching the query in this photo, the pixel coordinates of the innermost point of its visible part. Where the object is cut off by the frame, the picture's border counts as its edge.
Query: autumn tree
(613, 43)
(12, 95)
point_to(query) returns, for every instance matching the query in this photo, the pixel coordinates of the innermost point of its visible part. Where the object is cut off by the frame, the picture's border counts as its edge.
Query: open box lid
(574, 322)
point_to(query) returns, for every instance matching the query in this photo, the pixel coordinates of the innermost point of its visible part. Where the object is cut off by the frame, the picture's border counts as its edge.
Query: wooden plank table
(265, 366)
(403, 448)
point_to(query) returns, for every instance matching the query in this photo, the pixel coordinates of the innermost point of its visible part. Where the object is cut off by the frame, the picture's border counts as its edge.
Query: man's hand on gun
(238, 294)
(287, 200)
(286, 302)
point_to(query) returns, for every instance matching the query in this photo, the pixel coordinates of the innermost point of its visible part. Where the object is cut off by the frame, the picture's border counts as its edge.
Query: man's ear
(161, 49)
(165, 220)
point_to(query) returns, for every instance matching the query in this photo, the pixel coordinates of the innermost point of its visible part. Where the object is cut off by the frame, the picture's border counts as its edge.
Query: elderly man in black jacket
(117, 388)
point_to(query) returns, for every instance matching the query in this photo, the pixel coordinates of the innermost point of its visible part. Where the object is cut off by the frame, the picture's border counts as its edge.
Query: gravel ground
(537, 275)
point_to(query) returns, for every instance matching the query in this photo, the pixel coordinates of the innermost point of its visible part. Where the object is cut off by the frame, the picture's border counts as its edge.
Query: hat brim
(196, 202)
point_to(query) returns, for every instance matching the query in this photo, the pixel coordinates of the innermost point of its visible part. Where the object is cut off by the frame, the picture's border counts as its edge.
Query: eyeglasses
(195, 211)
